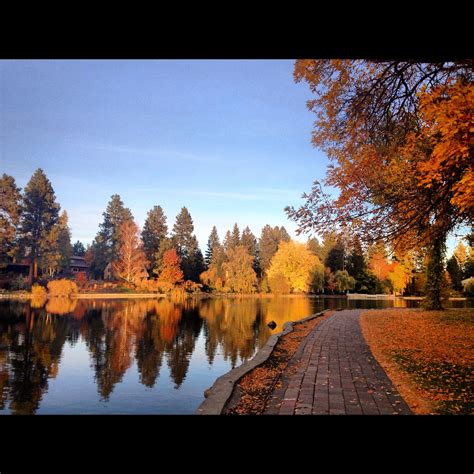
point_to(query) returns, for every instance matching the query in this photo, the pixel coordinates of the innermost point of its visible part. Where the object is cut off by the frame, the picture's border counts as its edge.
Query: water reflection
(156, 340)
(31, 343)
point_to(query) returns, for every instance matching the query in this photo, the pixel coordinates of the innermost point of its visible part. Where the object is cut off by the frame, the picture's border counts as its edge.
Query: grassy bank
(429, 356)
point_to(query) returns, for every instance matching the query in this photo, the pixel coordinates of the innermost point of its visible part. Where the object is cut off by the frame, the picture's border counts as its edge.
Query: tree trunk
(435, 275)
(30, 274)
(35, 268)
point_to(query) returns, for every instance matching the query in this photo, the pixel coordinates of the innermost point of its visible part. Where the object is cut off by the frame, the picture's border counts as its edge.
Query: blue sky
(228, 139)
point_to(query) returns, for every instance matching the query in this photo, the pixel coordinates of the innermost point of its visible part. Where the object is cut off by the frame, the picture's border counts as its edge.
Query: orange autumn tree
(448, 126)
(171, 272)
(131, 262)
(378, 263)
(399, 135)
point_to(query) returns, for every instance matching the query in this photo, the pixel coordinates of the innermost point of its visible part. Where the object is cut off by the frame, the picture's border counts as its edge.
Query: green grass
(453, 380)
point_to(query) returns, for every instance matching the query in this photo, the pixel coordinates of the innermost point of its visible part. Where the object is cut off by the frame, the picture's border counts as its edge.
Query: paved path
(337, 375)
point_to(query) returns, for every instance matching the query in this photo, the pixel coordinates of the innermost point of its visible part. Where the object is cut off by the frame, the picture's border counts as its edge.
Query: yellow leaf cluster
(297, 264)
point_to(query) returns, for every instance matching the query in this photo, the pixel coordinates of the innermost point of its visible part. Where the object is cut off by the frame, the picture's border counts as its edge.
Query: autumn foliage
(240, 276)
(61, 306)
(62, 287)
(131, 261)
(38, 291)
(447, 112)
(399, 135)
(171, 272)
(298, 265)
(279, 284)
(81, 279)
(428, 355)
(39, 296)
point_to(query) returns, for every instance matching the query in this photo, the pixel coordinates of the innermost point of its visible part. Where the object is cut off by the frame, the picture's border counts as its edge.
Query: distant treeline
(160, 259)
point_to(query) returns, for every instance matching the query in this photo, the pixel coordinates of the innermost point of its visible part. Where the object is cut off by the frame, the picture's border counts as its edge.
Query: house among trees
(109, 272)
(16, 268)
(78, 264)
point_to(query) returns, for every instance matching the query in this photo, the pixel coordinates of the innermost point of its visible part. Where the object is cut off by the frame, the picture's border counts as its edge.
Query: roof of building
(78, 261)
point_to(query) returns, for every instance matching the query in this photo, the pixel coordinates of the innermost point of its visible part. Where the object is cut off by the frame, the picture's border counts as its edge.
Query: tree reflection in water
(118, 333)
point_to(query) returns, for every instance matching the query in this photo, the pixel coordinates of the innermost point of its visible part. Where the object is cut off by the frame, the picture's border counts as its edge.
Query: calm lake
(136, 356)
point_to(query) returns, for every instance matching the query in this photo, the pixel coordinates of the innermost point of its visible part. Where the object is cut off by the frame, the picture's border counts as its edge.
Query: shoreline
(220, 393)
(97, 296)
(350, 296)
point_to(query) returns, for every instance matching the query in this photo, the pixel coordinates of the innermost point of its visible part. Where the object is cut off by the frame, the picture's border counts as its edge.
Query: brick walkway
(337, 375)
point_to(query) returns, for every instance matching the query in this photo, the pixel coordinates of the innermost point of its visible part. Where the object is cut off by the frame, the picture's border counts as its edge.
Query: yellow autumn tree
(399, 276)
(298, 265)
(460, 252)
(240, 276)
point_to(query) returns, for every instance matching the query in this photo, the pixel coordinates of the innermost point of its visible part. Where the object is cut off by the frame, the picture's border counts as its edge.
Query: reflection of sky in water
(60, 363)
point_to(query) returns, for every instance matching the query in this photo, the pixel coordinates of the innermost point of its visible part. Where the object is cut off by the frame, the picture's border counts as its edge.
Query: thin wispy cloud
(227, 195)
(157, 153)
(282, 192)
(250, 195)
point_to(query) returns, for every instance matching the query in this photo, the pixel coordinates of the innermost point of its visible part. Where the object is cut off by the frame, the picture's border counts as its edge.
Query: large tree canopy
(399, 135)
(387, 128)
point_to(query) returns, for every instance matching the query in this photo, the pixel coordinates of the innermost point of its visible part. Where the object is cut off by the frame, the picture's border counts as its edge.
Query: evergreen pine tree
(283, 234)
(105, 247)
(268, 244)
(212, 243)
(469, 265)
(183, 230)
(187, 246)
(78, 249)
(315, 248)
(10, 211)
(330, 240)
(64, 240)
(235, 236)
(249, 241)
(435, 278)
(198, 265)
(455, 273)
(335, 258)
(358, 269)
(356, 264)
(40, 213)
(227, 244)
(154, 231)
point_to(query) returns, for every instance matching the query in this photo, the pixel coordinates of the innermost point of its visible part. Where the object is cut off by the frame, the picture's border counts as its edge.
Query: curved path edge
(337, 374)
(221, 391)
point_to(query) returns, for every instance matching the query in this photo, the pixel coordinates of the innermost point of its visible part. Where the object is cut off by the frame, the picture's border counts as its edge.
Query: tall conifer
(40, 214)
